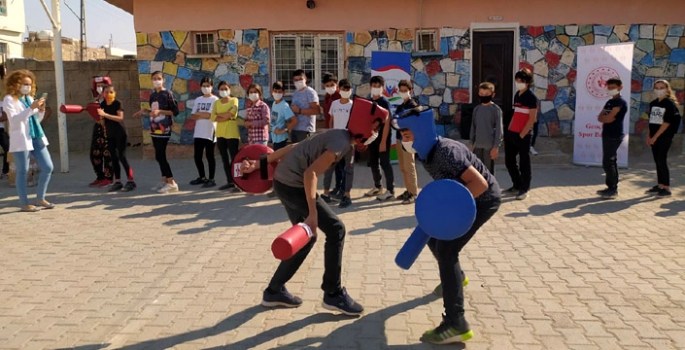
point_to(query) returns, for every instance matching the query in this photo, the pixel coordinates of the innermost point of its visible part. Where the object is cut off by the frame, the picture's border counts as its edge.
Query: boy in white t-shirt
(340, 115)
(204, 137)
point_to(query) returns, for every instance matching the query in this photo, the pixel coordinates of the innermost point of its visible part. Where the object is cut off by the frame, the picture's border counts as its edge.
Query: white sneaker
(173, 188)
(385, 196)
(533, 151)
(158, 186)
(374, 192)
(166, 188)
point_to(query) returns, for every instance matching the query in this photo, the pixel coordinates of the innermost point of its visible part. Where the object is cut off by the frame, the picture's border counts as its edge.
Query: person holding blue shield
(449, 159)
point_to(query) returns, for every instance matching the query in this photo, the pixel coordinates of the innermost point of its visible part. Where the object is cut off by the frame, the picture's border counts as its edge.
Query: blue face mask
(421, 122)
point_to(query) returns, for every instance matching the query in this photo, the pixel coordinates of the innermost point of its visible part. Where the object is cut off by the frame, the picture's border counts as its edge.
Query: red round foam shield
(252, 182)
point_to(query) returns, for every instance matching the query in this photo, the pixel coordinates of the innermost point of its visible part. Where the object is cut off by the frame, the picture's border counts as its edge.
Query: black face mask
(485, 99)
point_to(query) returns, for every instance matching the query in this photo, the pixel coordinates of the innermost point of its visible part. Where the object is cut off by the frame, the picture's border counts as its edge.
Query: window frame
(436, 39)
(195, 54)
(318, 71)
(6, 7)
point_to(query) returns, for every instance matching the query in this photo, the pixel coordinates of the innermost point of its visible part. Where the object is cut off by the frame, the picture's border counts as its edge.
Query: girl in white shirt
(27, 136)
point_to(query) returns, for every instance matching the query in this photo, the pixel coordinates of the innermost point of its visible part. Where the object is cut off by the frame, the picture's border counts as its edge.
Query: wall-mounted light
(495, 18)
(311, 4)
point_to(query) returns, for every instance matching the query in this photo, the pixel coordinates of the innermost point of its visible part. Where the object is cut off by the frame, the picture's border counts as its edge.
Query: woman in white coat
(26, 136)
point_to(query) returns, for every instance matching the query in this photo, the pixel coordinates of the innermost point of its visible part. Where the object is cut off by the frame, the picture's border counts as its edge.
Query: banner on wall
(596, 65)
(393, 67)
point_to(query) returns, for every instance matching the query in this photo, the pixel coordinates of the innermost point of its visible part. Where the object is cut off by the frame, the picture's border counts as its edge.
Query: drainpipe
(417, 44)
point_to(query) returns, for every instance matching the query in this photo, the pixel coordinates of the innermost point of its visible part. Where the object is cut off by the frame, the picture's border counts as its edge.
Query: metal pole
(84, 42)
(59, 86)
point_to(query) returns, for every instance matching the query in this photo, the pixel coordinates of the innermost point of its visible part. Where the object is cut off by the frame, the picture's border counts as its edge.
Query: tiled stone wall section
(441, 81)
(244, 59)
(550, 52)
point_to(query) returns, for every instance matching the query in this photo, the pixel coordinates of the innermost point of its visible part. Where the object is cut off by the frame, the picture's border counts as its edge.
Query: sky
(102, 20)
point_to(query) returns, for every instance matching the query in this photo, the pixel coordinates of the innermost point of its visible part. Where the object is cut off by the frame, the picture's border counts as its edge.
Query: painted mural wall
(442, 82)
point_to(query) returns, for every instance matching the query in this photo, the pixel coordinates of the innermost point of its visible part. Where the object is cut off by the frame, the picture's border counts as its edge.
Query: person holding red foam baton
(294, 183)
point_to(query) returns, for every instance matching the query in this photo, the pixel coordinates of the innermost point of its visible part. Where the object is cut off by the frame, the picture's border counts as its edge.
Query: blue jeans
(21, 160)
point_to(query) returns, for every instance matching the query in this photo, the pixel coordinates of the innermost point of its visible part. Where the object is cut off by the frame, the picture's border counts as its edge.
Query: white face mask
(25, 89)
(224, 93)
(376, 91)
(371, 139)
(254, 97)
(405, 95)
(331, 90)
(408, 146)
(613, 92)
(206, 90)
(345, 94)
(521, 86)
(659, 93)
(277, 96)
(299, 84)
(157, 84)
(99, 89)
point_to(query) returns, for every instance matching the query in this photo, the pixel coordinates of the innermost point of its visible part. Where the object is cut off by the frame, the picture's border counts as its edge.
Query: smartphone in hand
(44, 96)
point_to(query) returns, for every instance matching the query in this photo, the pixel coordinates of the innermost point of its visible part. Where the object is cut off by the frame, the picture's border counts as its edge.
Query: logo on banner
(596, 83)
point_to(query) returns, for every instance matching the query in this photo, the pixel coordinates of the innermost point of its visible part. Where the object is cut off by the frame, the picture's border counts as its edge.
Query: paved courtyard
(561, 270)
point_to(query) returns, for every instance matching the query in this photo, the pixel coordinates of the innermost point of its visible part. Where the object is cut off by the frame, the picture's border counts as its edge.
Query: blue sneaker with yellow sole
(448, 332)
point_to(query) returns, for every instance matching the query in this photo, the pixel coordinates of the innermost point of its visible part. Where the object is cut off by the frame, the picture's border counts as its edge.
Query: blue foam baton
(445, 210)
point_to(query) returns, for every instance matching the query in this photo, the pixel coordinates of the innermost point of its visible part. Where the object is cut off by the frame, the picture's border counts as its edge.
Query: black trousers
(660, 152)
(99, 154)
(447, 255)
(299, 135)
(535, 134)
(521, 172)
(295, 202)
(228, 149)
(610, 147)
(207, 147)
(160, 144)
(5, 144)
(381, 160)
(117, 149)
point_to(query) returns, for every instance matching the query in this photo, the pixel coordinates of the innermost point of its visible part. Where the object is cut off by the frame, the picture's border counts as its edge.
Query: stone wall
(71, 51)
(550, 52)
(442, 81)
(77, 82)
(244, 59)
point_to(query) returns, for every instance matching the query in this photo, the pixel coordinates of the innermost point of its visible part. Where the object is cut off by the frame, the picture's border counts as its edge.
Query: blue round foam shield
(445, 209)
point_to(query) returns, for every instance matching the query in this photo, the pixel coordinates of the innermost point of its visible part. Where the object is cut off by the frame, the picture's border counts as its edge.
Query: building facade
(12, 25)
(454, 46)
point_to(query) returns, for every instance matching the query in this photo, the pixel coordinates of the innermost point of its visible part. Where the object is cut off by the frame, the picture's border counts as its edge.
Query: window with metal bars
(205, 44)
(427, 40)
(3, 7)
(316, 54)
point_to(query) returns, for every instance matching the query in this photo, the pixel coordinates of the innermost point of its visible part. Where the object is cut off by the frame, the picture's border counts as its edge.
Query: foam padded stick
(291, 241)
(445, 209)
(411, 249)
(253, 182)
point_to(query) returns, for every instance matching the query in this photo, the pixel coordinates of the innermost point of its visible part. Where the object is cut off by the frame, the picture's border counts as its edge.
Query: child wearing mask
(112, 113)
(379, 150)
(225, 114)
(99, 153)
(204, 134)
(664, 121)
(257, 117)
(486, 127)
(517, 137)
(340, 116)
(406, 159)
(611, 118)
(163, 108)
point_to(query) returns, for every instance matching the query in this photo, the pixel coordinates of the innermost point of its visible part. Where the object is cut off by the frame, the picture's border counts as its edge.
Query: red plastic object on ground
(290, 242)
(91, 108)
(253, 182)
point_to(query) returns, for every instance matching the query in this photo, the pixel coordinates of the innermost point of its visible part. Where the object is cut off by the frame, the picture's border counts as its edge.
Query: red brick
(456, 55)
(433, 68)
(461, 95)
(194, 86)
(535, 31)
(552, 92)
(145, 95)
(246, 81)
(571, 76)
(552, 59)
(525, 65)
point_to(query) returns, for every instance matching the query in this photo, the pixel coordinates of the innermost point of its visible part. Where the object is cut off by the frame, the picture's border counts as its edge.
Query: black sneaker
(522, 195)
(326, 198)
(345, 202)
(403, 196)
(664, 193)
(198, 181)
(271, 194)
(342, 302)
(447, 332)
(655, 189)
(115, 187)
(209, 183)
(602, 192)
(226, 187)
(409, 199)
(610, 194)
(282, 298)
(511, 190)
(338, 195)
(130, 186)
